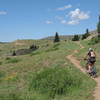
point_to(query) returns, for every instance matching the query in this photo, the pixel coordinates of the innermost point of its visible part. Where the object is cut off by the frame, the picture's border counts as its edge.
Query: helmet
(90, 49)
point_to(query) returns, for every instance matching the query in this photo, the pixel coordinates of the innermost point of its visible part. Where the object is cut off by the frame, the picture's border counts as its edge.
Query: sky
(36, 19)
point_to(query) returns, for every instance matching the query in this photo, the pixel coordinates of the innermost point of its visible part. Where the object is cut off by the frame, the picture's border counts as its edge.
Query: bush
(12, 60)
(14, 53)
(75, 38)
(84, 36)
(0, 63)
(54, 81)
(54, 48)
(94, 40)
(2, 74)
(33, 47)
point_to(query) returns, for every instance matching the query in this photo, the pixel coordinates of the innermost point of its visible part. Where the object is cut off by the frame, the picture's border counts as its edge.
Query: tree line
(78, 37)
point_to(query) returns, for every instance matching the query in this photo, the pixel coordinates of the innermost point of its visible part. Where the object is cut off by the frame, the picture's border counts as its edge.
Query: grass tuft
(54, 81)
(12, 60)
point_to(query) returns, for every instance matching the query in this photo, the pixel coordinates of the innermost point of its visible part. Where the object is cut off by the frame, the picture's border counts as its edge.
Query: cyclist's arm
(86, 56)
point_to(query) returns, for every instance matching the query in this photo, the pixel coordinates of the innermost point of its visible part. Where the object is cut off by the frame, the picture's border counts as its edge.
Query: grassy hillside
(45, 74)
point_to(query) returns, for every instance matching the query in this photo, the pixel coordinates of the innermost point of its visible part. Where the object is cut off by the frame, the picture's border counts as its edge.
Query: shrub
(33, 47)
(12, 60)
(2, 74)
(0, 63)
(75, 38)
(14, 53)
(54, 48)
(8, 58)
(54, 81)
(94, 40)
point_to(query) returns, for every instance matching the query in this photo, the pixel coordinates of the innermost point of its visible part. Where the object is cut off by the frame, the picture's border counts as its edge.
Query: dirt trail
(77, 64)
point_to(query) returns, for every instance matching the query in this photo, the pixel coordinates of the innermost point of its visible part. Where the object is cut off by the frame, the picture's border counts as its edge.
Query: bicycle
(91, 69)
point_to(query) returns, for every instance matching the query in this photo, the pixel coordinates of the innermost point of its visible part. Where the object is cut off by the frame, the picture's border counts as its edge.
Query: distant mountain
(3, 42)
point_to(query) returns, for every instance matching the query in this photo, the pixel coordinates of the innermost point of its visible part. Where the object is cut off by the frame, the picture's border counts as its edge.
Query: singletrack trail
(74, 61)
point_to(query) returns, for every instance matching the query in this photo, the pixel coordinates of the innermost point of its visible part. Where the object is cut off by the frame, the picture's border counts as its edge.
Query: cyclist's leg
(89, 68)
(94, 68)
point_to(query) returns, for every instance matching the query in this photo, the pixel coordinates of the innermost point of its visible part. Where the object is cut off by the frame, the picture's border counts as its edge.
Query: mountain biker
(91, 59)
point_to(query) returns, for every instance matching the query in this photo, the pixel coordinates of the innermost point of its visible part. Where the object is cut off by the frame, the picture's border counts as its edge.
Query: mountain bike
(91, 69)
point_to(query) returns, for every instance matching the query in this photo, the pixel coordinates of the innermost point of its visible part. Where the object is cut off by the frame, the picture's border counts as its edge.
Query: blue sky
(35, 19)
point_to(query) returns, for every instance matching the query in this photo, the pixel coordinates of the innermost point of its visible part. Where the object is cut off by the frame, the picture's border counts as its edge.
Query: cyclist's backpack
(92, 59)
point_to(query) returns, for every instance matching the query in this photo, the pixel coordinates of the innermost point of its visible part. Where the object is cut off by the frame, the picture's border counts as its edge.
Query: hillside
(62, 37)
(69, 37)
(16, 73)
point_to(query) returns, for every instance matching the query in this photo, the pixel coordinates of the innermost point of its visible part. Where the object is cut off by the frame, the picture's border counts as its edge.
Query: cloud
(64, 8)
(3, 12)
(63, 22)
(77, 15)
(73, 22)
(61, 19)
(49, 22)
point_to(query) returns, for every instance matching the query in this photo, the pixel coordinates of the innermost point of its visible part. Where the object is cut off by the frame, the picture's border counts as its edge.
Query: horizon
(44, 37)
(35, 19)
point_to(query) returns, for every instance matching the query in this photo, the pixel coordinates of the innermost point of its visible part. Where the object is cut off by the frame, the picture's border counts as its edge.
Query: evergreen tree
(84, 36)
(75, 38)
(14, 53)
(87, 32)
(98, 26)
(57, 39)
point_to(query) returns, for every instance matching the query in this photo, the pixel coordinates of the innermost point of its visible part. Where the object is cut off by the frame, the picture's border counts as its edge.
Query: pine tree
(57, 39)
(84, 36)
(98, 26)
(87, 32)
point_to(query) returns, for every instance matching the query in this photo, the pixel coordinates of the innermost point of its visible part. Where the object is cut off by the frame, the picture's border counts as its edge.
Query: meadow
(44, 74)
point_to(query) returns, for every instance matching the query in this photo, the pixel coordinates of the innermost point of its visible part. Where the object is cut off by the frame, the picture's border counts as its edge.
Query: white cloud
(77, 15)
(63, 21)
(64, 8)
(73, 22)
(48, 22)
(3, 12)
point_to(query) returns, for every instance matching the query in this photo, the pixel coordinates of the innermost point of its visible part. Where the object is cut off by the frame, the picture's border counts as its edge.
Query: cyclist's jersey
(91, 54)
(92, 57)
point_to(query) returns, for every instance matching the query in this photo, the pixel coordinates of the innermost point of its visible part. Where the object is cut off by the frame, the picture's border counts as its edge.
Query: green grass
(19, 72)
(61, 82)
(94, 40)
(54, 81)
(12, 60)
